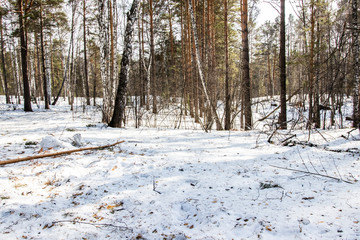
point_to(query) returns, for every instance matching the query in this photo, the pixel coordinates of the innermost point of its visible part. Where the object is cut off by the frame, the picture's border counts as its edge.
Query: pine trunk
(245, 66)
(24, 50)
(282, 66)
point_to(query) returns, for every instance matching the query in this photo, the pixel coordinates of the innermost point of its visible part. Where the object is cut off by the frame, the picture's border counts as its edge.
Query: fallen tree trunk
(56, 153)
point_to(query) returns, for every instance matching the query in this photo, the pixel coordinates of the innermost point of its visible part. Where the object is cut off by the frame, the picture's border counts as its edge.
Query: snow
(173, 183)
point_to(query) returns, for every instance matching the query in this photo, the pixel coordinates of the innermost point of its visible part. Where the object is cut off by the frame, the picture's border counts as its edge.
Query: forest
(179, 119)
(209, 59)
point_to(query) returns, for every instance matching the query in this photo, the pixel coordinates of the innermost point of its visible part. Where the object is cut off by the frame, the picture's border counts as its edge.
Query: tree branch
(56, 153)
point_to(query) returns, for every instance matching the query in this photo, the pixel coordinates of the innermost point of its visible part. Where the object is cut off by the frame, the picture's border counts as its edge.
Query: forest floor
(174, 184)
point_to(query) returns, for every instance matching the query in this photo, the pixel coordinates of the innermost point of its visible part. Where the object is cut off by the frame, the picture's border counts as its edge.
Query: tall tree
(246, 65)
(355, 49)
(152, 55)
(227, 90)
(282, 65)
(3, 65)
(200, 68)
(104, 59)
(43, 64)
(22, 11)
(86, 71)
(120, 101)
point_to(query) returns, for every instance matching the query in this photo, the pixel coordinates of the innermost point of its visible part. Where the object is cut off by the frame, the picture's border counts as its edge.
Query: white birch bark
(103, 23)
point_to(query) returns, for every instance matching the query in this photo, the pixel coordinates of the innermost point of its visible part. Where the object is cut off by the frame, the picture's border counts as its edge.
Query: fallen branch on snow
(121, 228)
(56, 153)
(312, 173)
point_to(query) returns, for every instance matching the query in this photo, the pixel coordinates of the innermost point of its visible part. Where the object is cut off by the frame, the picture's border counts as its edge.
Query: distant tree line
(209, 57)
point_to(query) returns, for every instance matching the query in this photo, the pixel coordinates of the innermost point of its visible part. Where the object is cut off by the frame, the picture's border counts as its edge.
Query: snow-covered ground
(173, 184)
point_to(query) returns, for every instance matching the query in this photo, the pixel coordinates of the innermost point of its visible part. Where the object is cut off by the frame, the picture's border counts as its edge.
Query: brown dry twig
(56, 153)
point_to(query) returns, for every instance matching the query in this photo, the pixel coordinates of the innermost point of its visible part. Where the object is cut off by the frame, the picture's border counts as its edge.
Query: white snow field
(165, 183)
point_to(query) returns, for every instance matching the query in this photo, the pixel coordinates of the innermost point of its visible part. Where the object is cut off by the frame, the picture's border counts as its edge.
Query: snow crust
(173, 184)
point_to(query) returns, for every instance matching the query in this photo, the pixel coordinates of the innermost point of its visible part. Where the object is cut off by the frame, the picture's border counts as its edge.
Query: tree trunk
(311, 66)
(282, 65)
(245, 66)
(201, 74)
(86, 71)
(104, 61)
(44, 75)
(4, 73)
(152, 52)
(24, 49)
(120, 100)
(227, 90)
(355, 49)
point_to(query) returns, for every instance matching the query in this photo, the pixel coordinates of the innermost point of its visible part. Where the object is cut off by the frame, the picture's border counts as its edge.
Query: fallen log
(56, 154)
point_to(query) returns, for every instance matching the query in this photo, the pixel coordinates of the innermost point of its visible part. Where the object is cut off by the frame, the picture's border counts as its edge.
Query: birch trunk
(199, 66)
(120, 101)
(104, 59)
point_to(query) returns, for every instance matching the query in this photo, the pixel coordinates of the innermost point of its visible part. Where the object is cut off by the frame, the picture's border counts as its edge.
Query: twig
(90, 223)
(154, 186)
(316, 174)
(56, 153)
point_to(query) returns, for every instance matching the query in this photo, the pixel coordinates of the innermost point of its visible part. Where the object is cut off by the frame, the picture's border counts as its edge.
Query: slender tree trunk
(152, 52)
(355, 36)
(245, 65)
(282, 65)
(24, 49)
(4, 73)
(86, 71)
(44, 75)
(120, 100)
(311, 65)
(227, 90)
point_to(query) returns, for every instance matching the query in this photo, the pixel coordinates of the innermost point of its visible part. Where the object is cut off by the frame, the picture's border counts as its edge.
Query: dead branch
(312, 173)
(57, 153)
(289, 98)
(121, 228)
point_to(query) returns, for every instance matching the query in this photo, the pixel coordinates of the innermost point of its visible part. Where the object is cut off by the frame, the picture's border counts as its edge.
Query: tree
(282, 65)
(355, 49)
(245, 65)
(104, 60)
(4, 72)
(120, 101)
(227, 90)
(44, 71)
(152, 55)
(86, 71)
(22, 11)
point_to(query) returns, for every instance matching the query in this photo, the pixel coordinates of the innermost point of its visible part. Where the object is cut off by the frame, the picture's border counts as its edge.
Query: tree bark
(86, 71)
(152, 52)
(282, 65)
(120, 101)
(4, 73)
(355, 49)
(245, 65)
(24, 49)
(199, 66)
(227, 90)
(104, 61)
(44, 75)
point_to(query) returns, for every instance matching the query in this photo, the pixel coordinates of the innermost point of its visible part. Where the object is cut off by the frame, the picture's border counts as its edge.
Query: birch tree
(102, 17)
(120, 101)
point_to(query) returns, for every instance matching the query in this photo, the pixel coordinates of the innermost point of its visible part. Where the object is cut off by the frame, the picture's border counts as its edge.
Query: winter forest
(179, 119)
